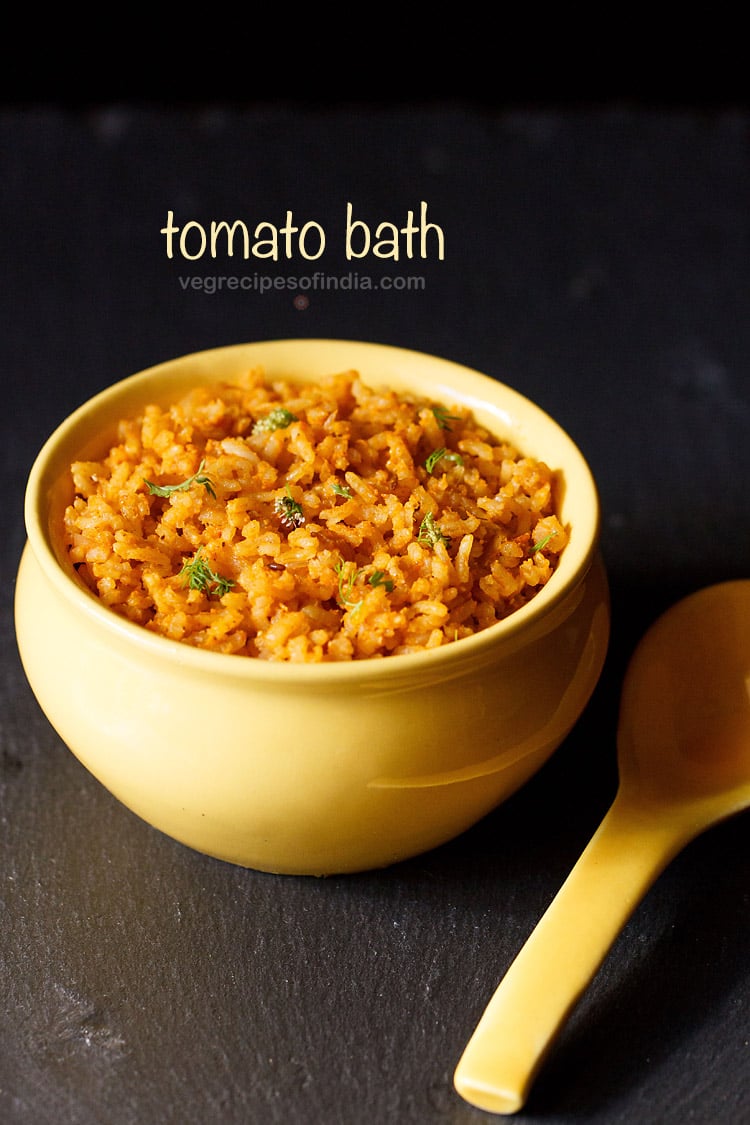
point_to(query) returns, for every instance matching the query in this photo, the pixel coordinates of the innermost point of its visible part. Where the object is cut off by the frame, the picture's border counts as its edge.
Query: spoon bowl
(684, 730)
(684, 764)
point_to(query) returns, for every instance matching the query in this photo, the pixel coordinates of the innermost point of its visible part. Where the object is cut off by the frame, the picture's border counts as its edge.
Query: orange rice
(309, 523)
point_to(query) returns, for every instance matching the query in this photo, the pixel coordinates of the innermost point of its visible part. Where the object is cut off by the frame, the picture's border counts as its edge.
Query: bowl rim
(576, 559)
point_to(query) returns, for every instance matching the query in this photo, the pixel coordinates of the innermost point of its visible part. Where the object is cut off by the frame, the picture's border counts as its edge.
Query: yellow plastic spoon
(683, 744)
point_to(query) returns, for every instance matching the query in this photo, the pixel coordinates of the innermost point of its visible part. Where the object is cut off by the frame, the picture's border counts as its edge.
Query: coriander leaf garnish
(289, 510)
(378, 578)
(430, 533)
(442, 417)
(341, 490)
(197, 478)
(542, 543)
(198, 575)
(278, 419)
(347, 577)
(442, 454)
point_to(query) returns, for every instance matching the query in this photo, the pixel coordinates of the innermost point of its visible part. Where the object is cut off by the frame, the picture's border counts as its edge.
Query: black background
(597, 260)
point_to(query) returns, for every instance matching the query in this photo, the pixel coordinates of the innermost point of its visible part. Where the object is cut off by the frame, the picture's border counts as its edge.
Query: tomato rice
(312, 522)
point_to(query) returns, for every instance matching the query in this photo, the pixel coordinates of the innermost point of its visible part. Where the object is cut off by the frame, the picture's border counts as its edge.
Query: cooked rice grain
(302, 522)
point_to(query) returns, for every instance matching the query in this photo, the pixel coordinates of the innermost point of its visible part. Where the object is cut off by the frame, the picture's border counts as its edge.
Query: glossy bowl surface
(311, 769)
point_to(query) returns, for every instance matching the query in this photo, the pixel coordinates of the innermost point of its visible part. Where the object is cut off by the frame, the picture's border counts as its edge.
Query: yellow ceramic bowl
(311, 769)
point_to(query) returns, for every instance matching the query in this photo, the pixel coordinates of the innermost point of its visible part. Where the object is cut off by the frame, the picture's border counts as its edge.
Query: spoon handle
(625, 856)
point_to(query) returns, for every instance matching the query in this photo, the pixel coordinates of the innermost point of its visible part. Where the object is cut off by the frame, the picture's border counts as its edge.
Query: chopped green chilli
(378, 578)
(278, 419)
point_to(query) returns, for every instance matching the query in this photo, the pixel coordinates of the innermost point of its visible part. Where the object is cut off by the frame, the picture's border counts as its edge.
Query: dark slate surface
(597, 259)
